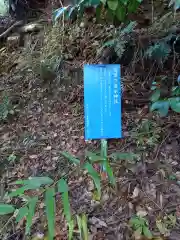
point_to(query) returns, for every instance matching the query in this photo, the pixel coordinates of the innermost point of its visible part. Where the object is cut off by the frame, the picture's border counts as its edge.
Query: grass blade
(71, 229)
(71, 158)
(50, 211)
(84, 227)
(30, 215)
(6, 209)
(79, 223)
(22, 212)
(62, 186)
(66, 206)
(94, 175)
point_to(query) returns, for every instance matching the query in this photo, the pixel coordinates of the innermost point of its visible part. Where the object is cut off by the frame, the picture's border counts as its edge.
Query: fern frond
(159, 52)
(120, 40)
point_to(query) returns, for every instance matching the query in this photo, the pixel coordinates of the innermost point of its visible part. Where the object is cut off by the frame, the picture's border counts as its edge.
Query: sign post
(102, 103)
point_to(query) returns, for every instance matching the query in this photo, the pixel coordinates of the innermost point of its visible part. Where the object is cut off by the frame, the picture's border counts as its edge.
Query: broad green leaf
(35, 182)
(121, 13)
(66, 206)
(123, 156)
(161, 106)
(18, 192)
(134, 222)
(84, 227)
(175, 104)
(70, 229)
(6, 209)
(93, 157)
(156, 95)
(133, 5)
(103, 1)
(22, 212)
(31, 212)
(79, 223)
(50, 211)
(98, 12)
(71, 158)
(94, 175)
(112, 4)
(62, 186)
(147, 233)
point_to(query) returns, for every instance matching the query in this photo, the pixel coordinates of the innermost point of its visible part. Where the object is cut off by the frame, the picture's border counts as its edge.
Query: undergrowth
(45, 188)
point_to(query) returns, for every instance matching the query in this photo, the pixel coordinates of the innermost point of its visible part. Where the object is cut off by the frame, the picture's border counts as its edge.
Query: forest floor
(48, 118)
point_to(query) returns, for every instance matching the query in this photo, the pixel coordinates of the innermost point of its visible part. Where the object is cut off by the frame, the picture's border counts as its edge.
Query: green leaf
(35, 182)
(79, 223)
(160, 51)
(71, 229)
(175, 104)
(161, 227)
(104, 148)
(94, 2)
(71, 158)
(176, 91)
(62, 186)
(123, 156)
(6, 209)
(161, 106)
(110, 173)
(125, 2)
(121, 13)
(18, 192)
(135, 222)
(84, 227)
(22, 212)
(66, 206)
(11, 158)
(98, 12)
(133, 5)
(104, 1)
(156, 95)
(94, 175)
(147, 233)
(112, 4)
(31, 212)
(50, 211)
(93, 157)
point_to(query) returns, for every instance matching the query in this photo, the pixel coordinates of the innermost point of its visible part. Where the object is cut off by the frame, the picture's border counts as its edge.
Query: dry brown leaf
(135, 192)
(97, 221)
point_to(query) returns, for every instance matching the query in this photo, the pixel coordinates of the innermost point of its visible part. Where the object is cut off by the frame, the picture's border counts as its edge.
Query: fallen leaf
(135, 192)
(141, 213)
(97, 221)
(138, 233)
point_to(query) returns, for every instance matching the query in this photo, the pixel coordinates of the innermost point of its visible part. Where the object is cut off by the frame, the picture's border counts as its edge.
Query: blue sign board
(102, 101)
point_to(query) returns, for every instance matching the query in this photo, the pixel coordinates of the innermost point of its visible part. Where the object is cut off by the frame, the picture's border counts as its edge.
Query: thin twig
(157, 152)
